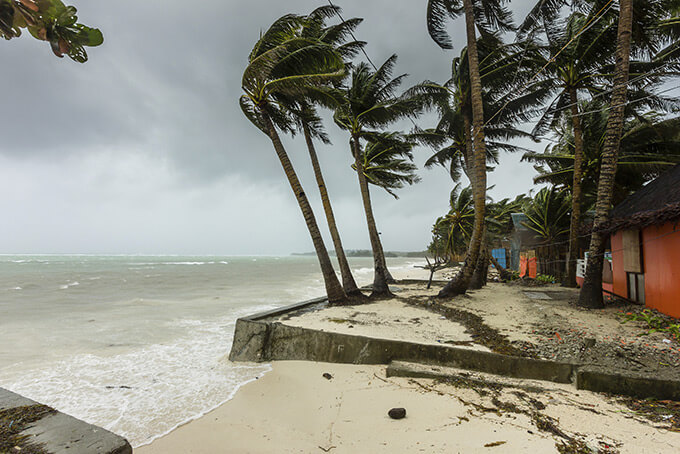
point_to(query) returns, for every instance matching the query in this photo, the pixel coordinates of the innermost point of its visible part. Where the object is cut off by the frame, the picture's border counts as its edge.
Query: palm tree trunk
(478, 279)
(591, 292)
(504, 274)
(570, 280)
(348, 282)
(388, 275)
(459, 284)
(380, 279)
(336, 294)
(468, 158)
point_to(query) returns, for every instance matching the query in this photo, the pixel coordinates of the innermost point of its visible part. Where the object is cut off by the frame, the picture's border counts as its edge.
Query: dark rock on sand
(397, 413)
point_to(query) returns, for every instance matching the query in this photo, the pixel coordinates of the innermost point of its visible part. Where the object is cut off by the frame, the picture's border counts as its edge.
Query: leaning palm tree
(643, 33)
(283, 67)
(591, 291)
(575, 61)
(307, 120)
(579, 60)
(504, 68)
(489, 13)
(369, 102)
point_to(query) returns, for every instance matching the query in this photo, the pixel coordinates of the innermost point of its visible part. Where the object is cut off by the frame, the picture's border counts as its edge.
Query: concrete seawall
(59, 433)
(263, 337)
(263, 341)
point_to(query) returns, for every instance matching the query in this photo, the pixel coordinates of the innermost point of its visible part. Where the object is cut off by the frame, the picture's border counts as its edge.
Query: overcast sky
(143, 149)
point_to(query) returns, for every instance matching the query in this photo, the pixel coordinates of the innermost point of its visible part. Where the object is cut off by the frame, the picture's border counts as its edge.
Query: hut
(645, 245)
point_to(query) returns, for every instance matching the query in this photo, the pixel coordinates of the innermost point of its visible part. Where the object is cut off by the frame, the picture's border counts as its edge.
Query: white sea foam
(146, 392)
(364, 271)
(153, 264)
(69, 285)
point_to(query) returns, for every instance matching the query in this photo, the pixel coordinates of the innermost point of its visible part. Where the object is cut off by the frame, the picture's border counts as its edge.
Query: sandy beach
(294, 409)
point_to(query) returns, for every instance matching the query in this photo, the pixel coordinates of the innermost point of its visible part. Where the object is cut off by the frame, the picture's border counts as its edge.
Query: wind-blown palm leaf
(279, 32)
(490, 16)
(387, 162)
(548, 214)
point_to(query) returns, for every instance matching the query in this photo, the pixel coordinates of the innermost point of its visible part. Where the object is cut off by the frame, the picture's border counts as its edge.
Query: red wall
(661, 262)
(661, 257)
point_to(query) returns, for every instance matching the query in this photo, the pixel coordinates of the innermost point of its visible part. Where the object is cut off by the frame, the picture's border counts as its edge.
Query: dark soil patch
(562, 343)
(481, 333)
(13, 421)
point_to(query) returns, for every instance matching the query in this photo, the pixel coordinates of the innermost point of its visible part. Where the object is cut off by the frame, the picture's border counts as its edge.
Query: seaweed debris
(482, 333)
(15, 420)
(659, 411)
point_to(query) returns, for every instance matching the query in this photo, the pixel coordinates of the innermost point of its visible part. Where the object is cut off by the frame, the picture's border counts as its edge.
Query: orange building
(645, 245)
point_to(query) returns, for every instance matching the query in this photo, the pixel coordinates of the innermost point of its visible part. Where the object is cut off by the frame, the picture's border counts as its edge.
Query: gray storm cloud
(144, 149)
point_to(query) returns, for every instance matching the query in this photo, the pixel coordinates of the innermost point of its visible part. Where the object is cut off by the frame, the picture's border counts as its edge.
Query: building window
(633, 266)
(632, 251)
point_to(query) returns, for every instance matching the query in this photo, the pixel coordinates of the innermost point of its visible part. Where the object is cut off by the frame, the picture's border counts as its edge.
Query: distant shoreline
(367, 253)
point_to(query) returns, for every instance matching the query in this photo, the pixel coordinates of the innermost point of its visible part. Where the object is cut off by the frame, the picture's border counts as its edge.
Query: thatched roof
(656, 203)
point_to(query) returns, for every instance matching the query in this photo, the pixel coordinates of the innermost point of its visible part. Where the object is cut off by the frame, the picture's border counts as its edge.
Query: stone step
(59, 433)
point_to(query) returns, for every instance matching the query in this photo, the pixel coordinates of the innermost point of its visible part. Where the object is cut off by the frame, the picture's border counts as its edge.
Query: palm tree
(309, 124)
(644, 32)
(458, 222)
(649, 146)
(492, 14)
(670, 28)
(575, 62)
(283, 67)
(502, 69)
(591, 292)
(548, 217)
(369, 102)
(579, 59)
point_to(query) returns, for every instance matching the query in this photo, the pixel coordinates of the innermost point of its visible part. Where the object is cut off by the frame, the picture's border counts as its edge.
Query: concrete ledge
(270, 341)
(637, 385)
(417, 370)
(59, 433)
(285, 309)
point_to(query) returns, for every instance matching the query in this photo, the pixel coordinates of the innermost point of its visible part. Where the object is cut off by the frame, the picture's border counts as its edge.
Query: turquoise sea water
(138, 344)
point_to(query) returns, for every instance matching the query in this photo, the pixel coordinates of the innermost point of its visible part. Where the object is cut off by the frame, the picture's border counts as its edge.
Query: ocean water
(136, 344)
